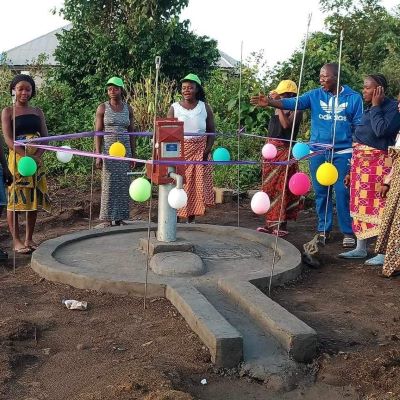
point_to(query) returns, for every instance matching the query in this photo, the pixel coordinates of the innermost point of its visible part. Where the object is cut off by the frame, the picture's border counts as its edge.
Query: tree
(372, 34)
(371, 44)
(122, 37)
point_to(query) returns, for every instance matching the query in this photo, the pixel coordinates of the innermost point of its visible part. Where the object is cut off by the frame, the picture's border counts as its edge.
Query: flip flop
(24, 250)
(280, 233)
(263, 230)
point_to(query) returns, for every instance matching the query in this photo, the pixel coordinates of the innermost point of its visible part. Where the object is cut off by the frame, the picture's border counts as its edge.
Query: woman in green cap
(114, 117)
(197, 118)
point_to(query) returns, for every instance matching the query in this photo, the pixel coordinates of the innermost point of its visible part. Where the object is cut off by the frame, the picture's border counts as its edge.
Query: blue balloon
(221, 154)
(300, 150)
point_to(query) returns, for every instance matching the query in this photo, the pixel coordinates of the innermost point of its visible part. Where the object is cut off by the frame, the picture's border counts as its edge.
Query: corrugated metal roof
(24, 54)
(27, 52)
(226, 61)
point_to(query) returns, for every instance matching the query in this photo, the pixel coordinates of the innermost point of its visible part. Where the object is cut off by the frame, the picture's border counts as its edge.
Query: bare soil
(118, 350)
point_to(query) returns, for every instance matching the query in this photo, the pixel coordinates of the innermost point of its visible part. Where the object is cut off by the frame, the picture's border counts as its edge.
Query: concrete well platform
(236, 265)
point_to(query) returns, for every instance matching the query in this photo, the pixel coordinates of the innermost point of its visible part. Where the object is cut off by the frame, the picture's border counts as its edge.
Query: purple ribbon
(69, 136)
(162, 162)
(320, 148)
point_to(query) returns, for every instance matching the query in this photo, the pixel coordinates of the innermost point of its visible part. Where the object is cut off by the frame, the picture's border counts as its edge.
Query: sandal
(280, 232)
(348, 241)
(24, 250)
(33, 246)
(262, 229)
(323, 237)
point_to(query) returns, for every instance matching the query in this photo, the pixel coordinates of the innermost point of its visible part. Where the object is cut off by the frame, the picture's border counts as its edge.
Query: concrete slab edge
(222, 339)
(45, 265)
(295, 336)
(289, 259)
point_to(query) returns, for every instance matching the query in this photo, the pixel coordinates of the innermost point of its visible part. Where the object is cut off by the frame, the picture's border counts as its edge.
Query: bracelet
(386, 184)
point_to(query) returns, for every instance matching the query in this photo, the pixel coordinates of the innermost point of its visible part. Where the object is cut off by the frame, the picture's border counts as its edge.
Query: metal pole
(158, 64)
(288, 157)
(334, 116)
(238, 134)
(91, 187)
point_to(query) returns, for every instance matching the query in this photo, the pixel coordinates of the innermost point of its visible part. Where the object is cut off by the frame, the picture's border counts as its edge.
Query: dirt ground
(116, 350)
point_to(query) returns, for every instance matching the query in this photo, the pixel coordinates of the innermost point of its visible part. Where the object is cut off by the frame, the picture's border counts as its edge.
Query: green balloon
(140, 190)
(27, 166)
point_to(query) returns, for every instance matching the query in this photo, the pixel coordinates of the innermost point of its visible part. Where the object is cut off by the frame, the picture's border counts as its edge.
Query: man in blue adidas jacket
(321, 103)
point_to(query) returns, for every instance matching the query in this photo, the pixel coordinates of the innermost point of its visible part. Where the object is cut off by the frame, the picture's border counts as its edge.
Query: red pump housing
(169, 145)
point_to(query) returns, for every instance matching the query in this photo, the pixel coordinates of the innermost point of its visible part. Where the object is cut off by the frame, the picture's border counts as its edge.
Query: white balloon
(64, 157)
(177, 198)
(260, 203)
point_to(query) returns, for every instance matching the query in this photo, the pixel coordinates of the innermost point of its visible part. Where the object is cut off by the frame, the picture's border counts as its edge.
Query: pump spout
(177, 178)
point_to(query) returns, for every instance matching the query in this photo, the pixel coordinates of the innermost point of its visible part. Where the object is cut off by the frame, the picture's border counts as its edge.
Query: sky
(276, 27)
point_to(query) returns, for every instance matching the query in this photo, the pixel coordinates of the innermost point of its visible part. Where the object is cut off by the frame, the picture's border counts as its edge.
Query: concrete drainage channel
(220, 301)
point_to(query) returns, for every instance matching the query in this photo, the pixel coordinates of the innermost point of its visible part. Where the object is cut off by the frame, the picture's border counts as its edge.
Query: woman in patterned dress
(26, 194)
(197, 117)
(370, 163)
(389, 238)
(114, 117)
(279, 134)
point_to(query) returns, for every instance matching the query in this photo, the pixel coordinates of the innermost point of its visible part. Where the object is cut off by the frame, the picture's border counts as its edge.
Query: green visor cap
(115, 81)
(192, 77)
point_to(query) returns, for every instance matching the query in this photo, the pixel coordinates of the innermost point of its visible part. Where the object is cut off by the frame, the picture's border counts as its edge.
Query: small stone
(46, 351)
(118, 348)
(82, 346)
(125, 387)
(147, 343)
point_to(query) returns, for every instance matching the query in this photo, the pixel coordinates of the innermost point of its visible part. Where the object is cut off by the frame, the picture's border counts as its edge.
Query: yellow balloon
(117, 149)
(327, 174)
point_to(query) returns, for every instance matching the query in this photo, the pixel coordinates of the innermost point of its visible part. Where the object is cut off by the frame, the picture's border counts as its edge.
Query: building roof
(226, 61)
(26, 53)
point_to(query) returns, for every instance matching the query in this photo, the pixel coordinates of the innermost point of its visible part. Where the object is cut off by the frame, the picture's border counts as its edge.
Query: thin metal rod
(91, 187)
(158, 64)
(335, 113)
(289, 153)
(238, 132)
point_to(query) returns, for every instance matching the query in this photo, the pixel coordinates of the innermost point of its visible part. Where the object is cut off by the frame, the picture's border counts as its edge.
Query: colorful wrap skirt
(388, 242)
(199, 181)
(272, 184)
(369, 167)
(27, 193)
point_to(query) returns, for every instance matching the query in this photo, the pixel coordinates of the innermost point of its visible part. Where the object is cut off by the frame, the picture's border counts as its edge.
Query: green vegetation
(123, 37)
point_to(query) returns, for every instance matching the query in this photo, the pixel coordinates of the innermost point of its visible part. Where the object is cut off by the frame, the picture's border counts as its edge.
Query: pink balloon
(269, 151)
(299, 184)
(260, 203)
